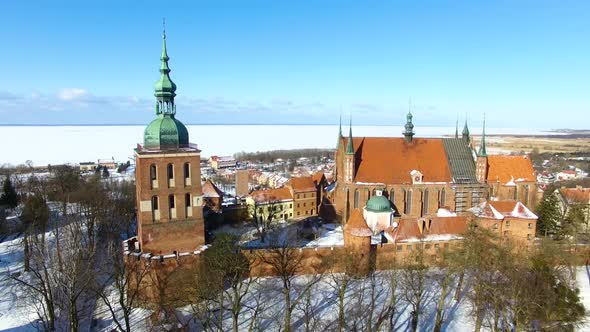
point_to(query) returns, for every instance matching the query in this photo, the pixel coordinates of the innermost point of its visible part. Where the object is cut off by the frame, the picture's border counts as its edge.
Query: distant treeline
(270, 156)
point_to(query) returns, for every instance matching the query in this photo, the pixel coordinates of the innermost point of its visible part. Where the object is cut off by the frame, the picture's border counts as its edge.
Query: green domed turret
(378, 203)
(165, 130)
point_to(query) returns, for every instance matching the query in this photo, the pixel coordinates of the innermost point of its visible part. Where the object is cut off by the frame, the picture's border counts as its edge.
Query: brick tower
(168, 178)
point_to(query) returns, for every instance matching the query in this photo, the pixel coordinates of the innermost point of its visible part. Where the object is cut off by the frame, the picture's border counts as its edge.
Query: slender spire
(409, 132)
(165, 89)
(349, 145)
(482, 147)
(457, 128)
(339, 131)
(465, 131)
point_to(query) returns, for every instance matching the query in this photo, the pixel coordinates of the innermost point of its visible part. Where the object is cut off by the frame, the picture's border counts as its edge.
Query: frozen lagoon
(73, 144)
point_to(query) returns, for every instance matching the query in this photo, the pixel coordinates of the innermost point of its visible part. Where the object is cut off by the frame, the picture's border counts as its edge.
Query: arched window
(392, 196)
(187, 199)
(425, 202)
(356, 198)
(374, 192)
(171, 201)
(154, 203)
(405, 199)
(368, 193)
(408, 202)
(526, 195)
(443, 198)
(155, 211)
(170, 172)
(515, 192)
(153, 172)
(187, 170)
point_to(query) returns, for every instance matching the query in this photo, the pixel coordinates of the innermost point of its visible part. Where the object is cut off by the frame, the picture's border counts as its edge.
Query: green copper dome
(379, 203)
(165, 131)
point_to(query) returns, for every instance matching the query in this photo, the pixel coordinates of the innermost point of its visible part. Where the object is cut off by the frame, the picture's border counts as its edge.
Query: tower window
(153, 172)
(154, 203)
(356, 198)
(171, 201)
(170, 171)
(187, 199)
(187, 170)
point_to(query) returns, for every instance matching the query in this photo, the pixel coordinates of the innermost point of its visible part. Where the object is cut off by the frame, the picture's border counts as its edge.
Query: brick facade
(175, 221)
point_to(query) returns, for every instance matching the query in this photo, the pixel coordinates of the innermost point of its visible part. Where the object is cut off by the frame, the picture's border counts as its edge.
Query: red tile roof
(500, 209)
(390, 160)
(357, 225)
(576, 195)
(270, 195)
(211, 190)
(317, 177)
(302, 184)
(505, 169)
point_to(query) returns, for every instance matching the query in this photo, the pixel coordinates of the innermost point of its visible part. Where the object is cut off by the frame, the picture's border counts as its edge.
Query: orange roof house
(357, 225)
(270, 195)
(302, 184)
(576, 195)
(210, 190)
(510, 169)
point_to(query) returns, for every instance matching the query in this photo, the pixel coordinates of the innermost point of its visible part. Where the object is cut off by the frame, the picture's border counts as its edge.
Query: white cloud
(69, 94)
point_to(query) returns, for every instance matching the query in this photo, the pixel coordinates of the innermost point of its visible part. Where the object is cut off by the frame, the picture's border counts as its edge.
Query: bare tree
(413, 283)
(265, 214)
(287, 263)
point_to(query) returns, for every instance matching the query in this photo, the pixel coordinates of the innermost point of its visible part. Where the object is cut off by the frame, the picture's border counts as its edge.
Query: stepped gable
(357, 225)
(389, 160)
(460, 159)
(510, 169)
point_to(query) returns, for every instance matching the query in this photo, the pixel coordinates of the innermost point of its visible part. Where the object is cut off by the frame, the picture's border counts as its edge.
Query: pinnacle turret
(165, 89)
(465, 131)
(409, 132)
(482, 146)
(349, 145)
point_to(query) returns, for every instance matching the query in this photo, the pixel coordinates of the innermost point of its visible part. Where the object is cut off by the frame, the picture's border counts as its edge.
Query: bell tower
(168, 177)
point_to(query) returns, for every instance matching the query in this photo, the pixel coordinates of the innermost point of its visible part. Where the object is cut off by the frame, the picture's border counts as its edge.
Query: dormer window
(416, 176)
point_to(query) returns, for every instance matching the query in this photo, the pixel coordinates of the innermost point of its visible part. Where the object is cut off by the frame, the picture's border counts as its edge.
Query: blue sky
(522, 63)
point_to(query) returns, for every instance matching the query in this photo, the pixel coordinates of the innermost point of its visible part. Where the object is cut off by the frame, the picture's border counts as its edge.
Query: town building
(168, 178)
(574, 197)
(510, 219)
(271, 203)
(242, 182)
(108, 163)
(304, 193)
(218, 162)
(87, 166)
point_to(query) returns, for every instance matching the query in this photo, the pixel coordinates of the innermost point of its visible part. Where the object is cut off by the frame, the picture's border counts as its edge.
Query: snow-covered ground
(74, 144)
(17, 316)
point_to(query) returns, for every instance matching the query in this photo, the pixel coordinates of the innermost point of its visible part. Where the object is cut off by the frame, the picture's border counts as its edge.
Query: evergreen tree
(9, 196)
(550, 216)
(97, 169)
(105, 172)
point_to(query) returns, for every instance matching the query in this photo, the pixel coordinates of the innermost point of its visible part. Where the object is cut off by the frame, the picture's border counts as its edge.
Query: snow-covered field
(16, 316)
(73, 144)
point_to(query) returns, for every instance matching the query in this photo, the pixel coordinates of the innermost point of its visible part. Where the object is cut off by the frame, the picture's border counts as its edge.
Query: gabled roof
(210, 190)
(357, 225)
(272, 195)
(510, 169)
(440, 229)
(460, 159)
(301, 184)
(317, 177)
(501, 209)
(390, 160)
(576, 195)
